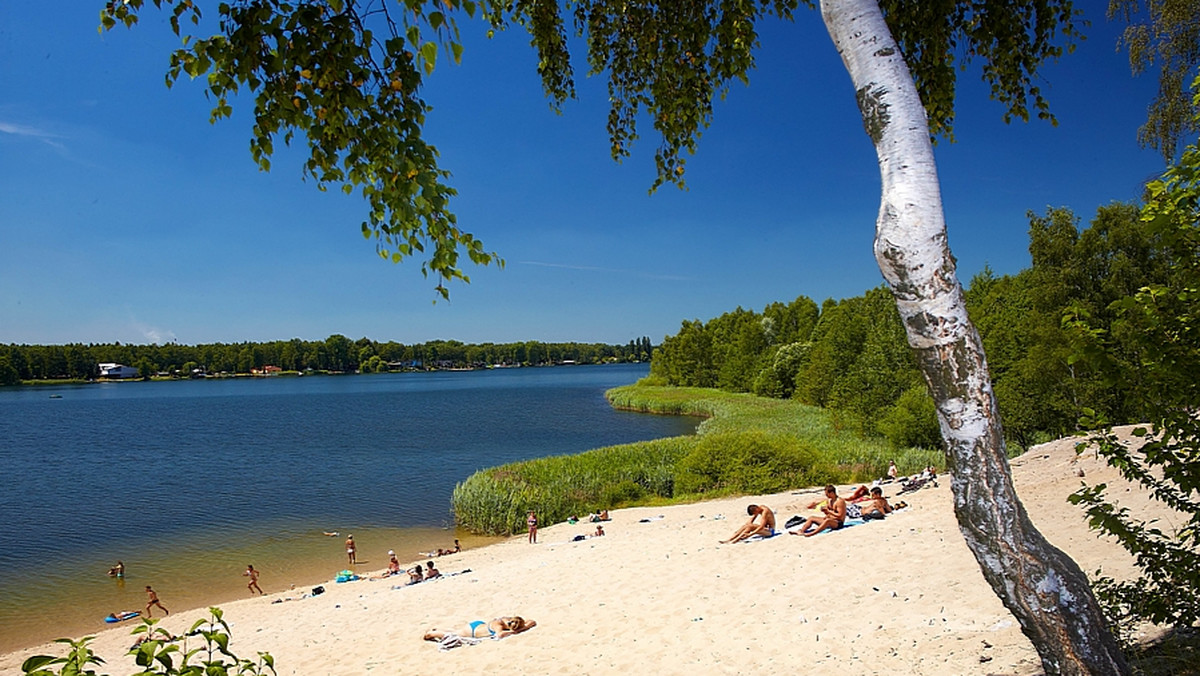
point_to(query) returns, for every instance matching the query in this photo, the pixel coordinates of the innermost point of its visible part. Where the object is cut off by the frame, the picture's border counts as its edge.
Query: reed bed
(745, 445)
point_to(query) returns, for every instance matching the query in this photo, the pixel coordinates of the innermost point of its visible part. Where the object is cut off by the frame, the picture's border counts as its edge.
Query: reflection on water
(188, 482)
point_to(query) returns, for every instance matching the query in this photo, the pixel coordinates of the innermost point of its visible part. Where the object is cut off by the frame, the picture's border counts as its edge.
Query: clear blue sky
(125, 216)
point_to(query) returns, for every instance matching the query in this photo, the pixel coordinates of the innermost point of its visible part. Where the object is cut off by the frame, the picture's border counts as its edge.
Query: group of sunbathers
(595, 517)
(864, 503)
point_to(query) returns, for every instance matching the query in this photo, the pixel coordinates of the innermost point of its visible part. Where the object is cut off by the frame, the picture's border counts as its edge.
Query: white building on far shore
(110, 370)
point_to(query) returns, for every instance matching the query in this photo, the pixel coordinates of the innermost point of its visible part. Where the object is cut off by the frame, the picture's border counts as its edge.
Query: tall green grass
(745, 445)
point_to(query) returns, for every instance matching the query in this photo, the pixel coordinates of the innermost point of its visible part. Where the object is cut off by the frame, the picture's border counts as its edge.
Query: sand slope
(901, 596)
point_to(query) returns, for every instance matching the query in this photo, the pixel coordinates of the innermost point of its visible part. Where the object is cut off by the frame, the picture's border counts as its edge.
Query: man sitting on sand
(877, 503)
(762, 522)
(833, 515)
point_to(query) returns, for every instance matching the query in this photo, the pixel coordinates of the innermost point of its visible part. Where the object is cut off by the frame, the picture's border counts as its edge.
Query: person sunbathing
(501, 627)
(415, 575)
(762, 522)
(833, 515)
(859, 493)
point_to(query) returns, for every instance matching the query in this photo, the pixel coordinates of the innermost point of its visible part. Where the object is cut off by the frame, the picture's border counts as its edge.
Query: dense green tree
(911, 420)
(793, 322)
(8, 373)
(686, 358)
(738, 340)
(778, 378)
(337, 353)
(1039, 390)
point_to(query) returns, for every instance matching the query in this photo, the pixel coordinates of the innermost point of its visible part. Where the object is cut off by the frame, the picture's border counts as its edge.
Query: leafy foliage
(159, 653)
(1163, 34)
(1012, 39)
(1159, 326)
(666, 61)
(347, 80)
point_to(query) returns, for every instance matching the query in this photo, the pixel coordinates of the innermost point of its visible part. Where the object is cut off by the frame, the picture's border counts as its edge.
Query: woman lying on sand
(497, 628)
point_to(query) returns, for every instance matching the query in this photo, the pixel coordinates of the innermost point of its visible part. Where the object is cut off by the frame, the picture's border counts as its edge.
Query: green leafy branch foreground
(1160, 326)
(747, 445)
(159, 653)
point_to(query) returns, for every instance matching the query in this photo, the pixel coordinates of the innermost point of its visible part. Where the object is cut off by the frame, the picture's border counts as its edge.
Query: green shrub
(750, 462)
(911, 421)
(621, 493)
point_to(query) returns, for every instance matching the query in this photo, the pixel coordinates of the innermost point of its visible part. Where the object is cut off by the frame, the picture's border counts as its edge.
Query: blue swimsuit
(476, 625)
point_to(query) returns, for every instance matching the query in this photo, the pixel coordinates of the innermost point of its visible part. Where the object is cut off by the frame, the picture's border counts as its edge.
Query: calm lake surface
(187, 482)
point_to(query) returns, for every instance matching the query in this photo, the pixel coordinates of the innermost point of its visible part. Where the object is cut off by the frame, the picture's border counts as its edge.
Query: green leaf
(429, 54)
(37, 662)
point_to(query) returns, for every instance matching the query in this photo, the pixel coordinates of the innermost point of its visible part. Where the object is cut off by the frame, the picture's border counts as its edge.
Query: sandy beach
(899, 596)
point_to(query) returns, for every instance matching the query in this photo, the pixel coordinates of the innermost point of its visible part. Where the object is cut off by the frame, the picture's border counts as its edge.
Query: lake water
(187, 482)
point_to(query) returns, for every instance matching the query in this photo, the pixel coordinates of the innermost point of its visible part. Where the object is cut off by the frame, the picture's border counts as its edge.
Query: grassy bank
(745, 445)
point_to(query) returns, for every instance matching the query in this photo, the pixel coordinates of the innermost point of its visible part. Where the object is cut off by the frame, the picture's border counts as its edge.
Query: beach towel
(450, 641)
(759, 538)
(848, 523)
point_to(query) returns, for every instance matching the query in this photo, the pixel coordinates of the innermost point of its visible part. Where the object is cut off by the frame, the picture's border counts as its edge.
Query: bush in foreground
(161, 654)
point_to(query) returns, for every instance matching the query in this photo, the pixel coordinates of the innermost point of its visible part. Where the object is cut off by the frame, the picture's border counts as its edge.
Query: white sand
(900, 596)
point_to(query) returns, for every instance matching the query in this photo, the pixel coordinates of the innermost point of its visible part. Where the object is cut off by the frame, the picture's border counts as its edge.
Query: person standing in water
(152, 600)
(117, 570)
(253, 575)
(350, 549)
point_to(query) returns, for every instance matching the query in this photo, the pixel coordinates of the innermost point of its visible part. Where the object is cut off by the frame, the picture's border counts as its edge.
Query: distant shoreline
(50, 382)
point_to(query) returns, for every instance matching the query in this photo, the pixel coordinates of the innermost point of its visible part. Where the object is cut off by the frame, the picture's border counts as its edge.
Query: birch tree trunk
(1039, 584)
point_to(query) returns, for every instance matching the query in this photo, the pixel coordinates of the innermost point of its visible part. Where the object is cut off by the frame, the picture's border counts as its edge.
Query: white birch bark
(1039, 584)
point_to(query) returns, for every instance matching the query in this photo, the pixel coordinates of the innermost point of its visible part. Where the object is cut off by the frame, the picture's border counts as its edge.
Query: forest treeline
(335, 353)
(851, 356)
